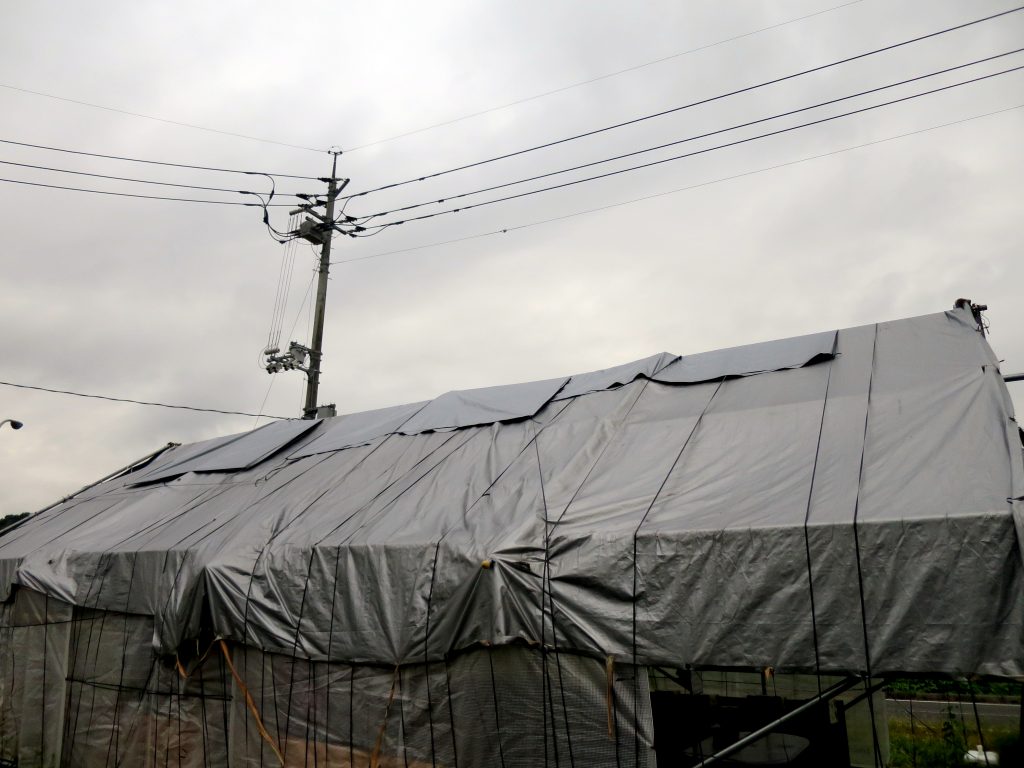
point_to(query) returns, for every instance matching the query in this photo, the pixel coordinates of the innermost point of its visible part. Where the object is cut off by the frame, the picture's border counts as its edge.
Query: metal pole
(316, 345)
(826, 695)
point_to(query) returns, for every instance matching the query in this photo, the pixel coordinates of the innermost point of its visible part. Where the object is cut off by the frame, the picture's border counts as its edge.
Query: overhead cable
(704, 151)
(605, 76)
(156, 162)
(148, 197)
(160, 119)
(688, 139)
(137, 402)
(690, 105)
(137, 181)
(677, 190)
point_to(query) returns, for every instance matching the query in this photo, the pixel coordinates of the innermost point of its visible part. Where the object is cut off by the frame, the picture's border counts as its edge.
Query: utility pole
(320, 230)
(317, 342)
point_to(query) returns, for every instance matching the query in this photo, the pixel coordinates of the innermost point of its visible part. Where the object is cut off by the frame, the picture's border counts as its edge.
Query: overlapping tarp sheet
(654, 522)
(225, 454)
(749, 359)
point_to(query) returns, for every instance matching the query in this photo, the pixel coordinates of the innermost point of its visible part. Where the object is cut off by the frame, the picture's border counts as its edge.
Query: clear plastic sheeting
(34, 636)
(108, 700)
(514, 707)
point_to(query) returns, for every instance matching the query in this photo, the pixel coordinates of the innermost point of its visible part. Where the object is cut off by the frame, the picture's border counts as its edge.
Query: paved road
(935, 711)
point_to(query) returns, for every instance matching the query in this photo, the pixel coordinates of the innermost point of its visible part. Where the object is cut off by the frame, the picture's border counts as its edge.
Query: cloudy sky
(889, 213)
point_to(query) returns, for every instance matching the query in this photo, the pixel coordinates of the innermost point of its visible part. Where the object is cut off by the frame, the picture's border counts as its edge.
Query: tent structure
(496, 576)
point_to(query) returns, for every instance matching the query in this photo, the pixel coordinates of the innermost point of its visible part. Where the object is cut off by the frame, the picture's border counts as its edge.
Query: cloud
(171, 301)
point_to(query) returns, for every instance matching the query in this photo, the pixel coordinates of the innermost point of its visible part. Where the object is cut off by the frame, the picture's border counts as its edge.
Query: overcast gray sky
(171, 302)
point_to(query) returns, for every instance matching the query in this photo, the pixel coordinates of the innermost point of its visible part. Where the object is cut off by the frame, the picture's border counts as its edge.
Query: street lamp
(15, 424)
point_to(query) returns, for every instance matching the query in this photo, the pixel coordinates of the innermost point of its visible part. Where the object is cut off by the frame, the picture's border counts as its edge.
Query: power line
(138, 181)
(700, 185)
(690, 105)
(158, 119)
(137, 402)
(606, 76)
(703, 151)
(689, 138)
(147, 197)
(158, 162)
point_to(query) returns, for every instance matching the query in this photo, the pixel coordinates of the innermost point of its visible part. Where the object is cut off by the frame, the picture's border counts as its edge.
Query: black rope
(401, 719)
(913, 736)
(977, 720)
(259, 555)
(856, 544)
(807, 518)
(494, 697)
(636, 532)
(8, 653)
(426, 656)
(561, 516)
(103, 567)
(545, 589)
(42, 698)
(137, 711)
(310, 712)
(115, 739)
(309, 570)
(351, 715)
(451, 713)
(263, 696)
(222, 668)
(396, 481)
(204, 716)
(298, 621)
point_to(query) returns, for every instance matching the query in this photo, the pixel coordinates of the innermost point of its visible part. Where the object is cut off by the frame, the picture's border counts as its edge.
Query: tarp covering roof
(840, 502)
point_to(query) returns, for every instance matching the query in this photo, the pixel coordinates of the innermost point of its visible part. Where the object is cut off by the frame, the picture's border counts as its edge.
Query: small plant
(926, 746)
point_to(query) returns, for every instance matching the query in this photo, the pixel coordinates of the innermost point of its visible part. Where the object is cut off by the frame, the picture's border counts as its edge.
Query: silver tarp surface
(837, 502)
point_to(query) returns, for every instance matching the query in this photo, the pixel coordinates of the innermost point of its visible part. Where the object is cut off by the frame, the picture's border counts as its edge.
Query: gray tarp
(226, 454)
(662, 522)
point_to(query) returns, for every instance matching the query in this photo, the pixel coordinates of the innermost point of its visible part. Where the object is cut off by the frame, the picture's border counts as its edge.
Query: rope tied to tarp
(609, 670)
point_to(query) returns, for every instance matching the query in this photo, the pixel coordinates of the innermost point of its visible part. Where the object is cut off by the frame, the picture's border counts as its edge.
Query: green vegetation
(944, 744)
(9, 520)
(911, 688)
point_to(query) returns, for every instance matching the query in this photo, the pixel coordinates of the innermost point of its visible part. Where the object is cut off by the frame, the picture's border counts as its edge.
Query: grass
(943, 745)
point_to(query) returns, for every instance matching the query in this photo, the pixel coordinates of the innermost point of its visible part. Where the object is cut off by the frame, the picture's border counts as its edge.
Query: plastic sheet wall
(83, 688)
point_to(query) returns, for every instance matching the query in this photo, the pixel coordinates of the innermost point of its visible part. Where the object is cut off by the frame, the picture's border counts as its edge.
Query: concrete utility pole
(309, 411)
(317, 228)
